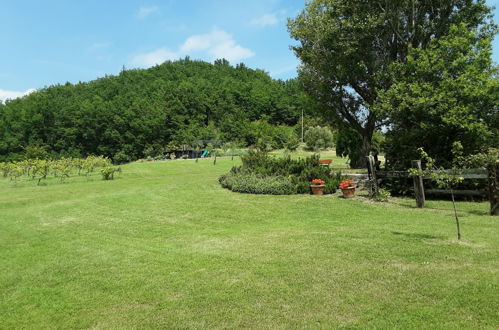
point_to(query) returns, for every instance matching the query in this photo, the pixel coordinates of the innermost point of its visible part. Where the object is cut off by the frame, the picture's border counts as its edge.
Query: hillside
(142, 111)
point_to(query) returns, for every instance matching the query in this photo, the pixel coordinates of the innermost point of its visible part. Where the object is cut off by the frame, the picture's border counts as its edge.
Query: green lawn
(338, 162)
(164, 246)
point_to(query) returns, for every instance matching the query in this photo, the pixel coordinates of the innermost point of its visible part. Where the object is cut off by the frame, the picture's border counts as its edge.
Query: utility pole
(302, 125)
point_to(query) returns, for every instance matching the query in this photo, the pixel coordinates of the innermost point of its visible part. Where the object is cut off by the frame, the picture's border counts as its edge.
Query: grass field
(164, 246)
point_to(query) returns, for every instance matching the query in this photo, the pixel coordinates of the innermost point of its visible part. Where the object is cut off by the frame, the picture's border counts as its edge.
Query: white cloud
(155, 57)
(218, 44)
(6, 95)
(265, 20)
(215, 44)
(146, 11)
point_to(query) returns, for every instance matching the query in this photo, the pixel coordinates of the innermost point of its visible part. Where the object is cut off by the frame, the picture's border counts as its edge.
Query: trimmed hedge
(263, 174)
(252, 184)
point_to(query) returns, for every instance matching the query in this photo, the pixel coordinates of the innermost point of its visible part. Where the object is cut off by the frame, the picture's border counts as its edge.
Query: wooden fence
(490, 174)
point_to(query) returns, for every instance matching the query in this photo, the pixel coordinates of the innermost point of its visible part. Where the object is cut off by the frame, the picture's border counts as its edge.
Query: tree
(446, 93)
(444, 179)
(347, 46)
(140, 111)
(317, 138)
(347, 142)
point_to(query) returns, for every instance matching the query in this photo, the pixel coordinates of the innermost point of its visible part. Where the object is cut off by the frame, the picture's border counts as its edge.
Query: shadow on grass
(477, 212)
(461, 212)
(417, 236)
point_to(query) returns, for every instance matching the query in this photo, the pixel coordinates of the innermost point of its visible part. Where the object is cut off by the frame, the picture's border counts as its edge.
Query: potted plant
(348, 188)
(317, 186)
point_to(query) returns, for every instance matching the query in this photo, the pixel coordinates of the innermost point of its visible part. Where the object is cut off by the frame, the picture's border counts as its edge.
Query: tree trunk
(365, 151)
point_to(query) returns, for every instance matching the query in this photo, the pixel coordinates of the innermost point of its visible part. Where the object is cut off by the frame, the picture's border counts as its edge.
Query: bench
(325, 162)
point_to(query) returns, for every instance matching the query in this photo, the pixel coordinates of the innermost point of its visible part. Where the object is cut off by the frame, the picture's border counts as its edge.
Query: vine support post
(418, 184)
(492, 180)
(371, 169)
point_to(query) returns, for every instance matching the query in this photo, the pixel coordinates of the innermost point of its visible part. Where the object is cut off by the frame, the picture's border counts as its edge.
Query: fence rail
(490, 174)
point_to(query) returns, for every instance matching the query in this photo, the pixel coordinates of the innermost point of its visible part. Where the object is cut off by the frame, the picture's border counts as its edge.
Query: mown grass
(338, 162)
(164, 246)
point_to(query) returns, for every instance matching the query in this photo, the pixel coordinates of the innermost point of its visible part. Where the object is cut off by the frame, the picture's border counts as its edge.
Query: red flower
(318, 181)
(346, 184)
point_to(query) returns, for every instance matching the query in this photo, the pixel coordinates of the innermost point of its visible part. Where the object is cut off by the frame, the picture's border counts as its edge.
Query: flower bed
(263, 174)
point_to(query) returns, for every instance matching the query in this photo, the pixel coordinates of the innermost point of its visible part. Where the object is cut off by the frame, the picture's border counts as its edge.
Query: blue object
(204, 153)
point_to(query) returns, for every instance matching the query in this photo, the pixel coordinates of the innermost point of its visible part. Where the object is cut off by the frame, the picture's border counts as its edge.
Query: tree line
(142, 112)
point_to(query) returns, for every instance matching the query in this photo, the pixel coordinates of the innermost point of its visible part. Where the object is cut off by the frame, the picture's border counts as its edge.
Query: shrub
(263, 174)
(253, 184)
(108, 172)
(382, 196)
(267, 137)
(40, 169)
(264, 143)
(317, 138)
(292, 142)
(35, 152)
(121, 157)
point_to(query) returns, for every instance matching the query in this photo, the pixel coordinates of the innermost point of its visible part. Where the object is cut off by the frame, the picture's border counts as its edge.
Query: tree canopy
(445, 94)
(141, 111)
(346, 48)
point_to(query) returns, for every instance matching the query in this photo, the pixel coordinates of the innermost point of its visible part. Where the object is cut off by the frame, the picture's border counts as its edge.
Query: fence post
(418, 185)
(371, 170)
(492, 176)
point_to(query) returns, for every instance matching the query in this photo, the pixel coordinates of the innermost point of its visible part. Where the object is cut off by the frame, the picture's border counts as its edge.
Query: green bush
(253, 184)
(382, 196)
(108, 172)
(35, 152)
(317, 138)
(40, 169)
(292, 143)
(121, 158)
(262, 174)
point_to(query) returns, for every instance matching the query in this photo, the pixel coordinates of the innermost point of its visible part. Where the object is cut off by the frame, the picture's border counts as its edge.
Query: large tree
(444, 95)
(346, 48)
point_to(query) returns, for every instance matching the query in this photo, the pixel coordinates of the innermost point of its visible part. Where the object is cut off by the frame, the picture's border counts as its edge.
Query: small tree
(292, 142)
(317, 138)
(35, 152)
(444, 179)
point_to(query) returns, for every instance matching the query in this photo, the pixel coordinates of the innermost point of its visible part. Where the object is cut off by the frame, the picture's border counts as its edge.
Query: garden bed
(261, 173)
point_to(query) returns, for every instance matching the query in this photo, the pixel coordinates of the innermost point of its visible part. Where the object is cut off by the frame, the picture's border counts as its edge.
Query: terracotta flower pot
(318, 189)
(348, 192)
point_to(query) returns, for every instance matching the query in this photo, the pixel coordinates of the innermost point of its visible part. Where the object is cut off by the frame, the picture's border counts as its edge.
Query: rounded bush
(252, 184)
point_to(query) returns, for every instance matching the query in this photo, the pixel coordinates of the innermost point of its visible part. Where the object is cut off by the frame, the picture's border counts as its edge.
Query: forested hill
(142, 111)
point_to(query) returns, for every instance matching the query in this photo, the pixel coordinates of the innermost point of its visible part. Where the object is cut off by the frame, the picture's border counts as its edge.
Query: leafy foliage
(40, 169)
(253, 184)
(382, 195)
(282, 171)
(108, 172)
(349, 143)
(317, 138)
(346, 48)
(444, 94)
(139, 112)
(444, 179)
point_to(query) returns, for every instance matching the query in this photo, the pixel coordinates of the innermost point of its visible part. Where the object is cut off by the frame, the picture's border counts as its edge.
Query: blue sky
(54, 41)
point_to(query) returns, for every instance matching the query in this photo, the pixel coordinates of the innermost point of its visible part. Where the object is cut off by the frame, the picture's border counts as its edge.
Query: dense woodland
(143, 112)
